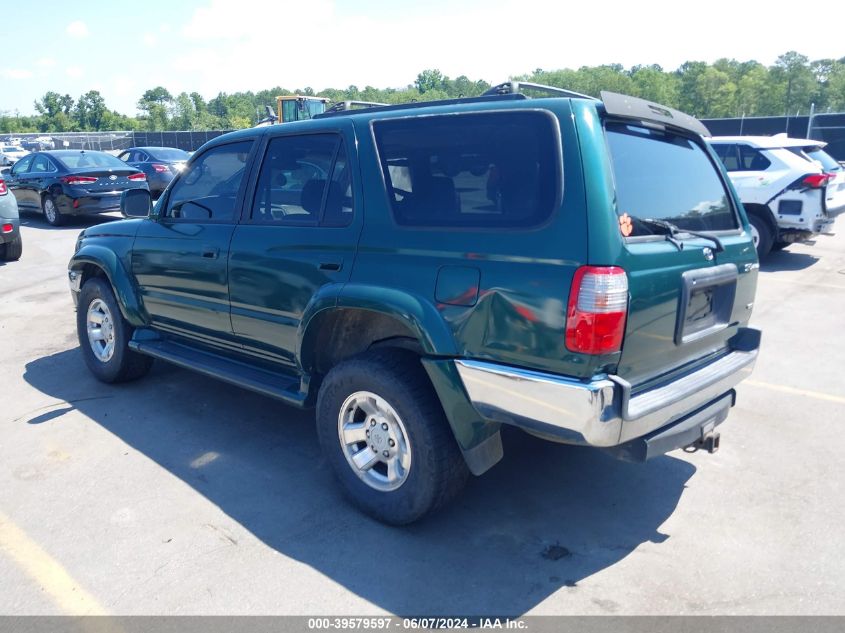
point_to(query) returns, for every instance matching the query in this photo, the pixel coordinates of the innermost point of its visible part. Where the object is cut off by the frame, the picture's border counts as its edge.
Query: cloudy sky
(123, 48)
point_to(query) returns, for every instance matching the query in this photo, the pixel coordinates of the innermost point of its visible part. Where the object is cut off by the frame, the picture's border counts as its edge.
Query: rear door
(20, 182)
(686, 298)
(299, 235)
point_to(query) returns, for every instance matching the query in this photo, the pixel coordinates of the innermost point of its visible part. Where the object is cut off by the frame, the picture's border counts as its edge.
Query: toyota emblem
(113, 177)
(708, 254)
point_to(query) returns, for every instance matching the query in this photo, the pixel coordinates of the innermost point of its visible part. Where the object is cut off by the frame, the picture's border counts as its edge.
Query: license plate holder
(706, 302)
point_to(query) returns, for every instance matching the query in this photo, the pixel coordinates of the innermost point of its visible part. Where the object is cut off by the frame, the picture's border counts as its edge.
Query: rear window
(665, 176)
(83, 160)
(484, 170)
(825, 160)
(170, 153)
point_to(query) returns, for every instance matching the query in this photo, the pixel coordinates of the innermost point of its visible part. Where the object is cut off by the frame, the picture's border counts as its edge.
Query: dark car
(59, 183)
(424, 274)
(160, 164)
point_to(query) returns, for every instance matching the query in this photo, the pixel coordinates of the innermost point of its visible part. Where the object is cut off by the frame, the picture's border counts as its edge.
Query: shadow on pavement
(546, 517)
(784, 260)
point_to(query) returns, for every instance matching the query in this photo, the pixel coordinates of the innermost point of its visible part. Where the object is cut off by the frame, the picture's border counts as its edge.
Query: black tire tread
(446, 470)
(12, 251)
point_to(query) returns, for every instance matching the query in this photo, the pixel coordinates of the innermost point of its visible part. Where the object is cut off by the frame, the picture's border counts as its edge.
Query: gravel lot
(178, 494)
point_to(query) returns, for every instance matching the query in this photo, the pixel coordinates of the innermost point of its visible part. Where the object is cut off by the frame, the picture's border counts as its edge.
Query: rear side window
(728, 155)
(304, 180)
(665, 176)
(484, 170)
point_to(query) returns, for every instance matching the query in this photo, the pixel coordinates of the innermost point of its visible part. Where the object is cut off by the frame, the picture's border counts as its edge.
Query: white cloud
(149, 39)
(15, 73)
(164, 27)
(46, 62)
(77, 28)
(74, 72)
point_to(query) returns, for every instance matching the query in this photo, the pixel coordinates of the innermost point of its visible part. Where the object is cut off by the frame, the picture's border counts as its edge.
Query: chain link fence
(829, 128)
(113, 141)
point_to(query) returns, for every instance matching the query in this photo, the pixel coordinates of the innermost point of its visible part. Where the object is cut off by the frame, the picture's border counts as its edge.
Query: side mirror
(136, 203)
(5, 171)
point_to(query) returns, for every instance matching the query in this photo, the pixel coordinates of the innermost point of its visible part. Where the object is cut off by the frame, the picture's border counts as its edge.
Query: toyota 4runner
(424, 274)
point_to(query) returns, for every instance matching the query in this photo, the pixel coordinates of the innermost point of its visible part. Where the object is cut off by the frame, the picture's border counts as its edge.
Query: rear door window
(304, 179)
(752, 159)
(665, 176)
(481, 170)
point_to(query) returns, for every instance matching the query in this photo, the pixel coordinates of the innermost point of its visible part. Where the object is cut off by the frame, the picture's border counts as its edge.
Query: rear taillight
(78, 180)
(139, 177)
(815, 181)
(8, 228)
(161, 169)
(598, 306)
(3, 188)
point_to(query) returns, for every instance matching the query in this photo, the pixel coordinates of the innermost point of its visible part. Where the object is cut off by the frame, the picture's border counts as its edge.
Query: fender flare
(417, 314)
(124, 289)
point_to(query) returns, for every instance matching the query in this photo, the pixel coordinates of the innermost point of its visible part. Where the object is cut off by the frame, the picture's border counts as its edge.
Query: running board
(276, 385)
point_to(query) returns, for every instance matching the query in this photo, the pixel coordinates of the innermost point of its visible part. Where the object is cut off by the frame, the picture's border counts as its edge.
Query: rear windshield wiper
(674, 231)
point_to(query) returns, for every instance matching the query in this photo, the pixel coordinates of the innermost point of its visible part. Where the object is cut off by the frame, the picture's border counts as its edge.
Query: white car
(784, 191)
(10, 154)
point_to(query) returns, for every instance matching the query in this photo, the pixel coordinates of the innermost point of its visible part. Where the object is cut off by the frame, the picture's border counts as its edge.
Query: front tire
(382, 429)
(104, 335)
(51, 211)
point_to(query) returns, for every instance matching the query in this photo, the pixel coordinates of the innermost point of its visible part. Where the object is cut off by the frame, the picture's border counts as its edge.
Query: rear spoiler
(626, 107)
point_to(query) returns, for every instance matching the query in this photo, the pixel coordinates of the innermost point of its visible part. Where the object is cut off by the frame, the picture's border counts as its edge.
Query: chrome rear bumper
(600, 412)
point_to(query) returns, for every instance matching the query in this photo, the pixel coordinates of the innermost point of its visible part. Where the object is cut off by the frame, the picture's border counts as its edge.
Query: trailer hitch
(709, 440)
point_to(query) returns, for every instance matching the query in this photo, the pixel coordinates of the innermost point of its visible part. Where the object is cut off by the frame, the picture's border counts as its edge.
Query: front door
(180, 256)
(299, 234)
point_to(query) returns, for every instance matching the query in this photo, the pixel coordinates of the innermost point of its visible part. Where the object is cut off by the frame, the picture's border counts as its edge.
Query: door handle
(335, 266)
(210, 252)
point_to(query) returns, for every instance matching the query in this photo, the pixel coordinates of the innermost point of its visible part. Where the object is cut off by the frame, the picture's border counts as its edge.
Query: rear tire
(779, 246)
(409, 461)
(51, 211)
(761, 233)
(104, 335)
(12, 251)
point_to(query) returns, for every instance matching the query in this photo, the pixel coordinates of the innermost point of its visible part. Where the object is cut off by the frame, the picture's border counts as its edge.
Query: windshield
(170, 153)
(665, 176)
(818, 155)
(91, 159)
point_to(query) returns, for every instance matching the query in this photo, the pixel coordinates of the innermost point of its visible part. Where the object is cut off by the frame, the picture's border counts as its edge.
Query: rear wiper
(674, 231)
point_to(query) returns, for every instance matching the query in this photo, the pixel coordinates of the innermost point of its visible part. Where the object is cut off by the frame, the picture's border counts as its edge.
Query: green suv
(424, 274)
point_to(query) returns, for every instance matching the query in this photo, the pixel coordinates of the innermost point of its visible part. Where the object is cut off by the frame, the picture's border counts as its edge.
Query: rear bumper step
(604, 412)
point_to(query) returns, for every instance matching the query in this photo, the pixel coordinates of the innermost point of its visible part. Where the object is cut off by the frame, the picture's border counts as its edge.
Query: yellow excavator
(301, 107)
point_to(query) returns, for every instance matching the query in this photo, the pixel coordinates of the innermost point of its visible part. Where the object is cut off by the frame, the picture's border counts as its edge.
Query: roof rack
(419, 104)
(343, 106)
(516, 87)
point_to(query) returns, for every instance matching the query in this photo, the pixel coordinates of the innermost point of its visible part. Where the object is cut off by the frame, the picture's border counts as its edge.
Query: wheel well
(764, 213)
(344, 333)
(90, 271)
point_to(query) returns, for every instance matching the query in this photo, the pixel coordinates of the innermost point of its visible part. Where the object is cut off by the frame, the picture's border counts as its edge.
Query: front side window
(304, 180)
(665, 176)
(22, 166)
(484, 170)
(208, 190)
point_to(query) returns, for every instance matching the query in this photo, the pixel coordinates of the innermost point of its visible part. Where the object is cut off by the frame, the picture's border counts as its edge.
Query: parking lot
(178, 494)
